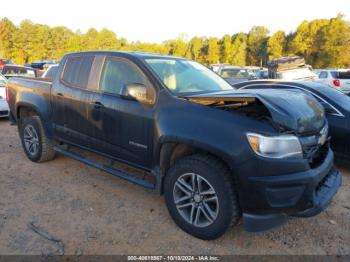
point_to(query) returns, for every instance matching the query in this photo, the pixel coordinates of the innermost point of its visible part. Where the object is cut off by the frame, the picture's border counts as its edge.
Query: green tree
(90, 39)
(40, 43)
(303, 42)
(212, 51)
(334, 44)
(23, 39)
(239, 50)
(226, 49)
(276, 45)
(58, 42)
(75, 43)
(323, 42)
(177, 47)
(7, 29)
(256, 45)
(195, 49)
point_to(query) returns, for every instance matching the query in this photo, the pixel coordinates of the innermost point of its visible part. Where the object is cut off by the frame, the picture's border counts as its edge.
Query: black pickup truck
(215, 153)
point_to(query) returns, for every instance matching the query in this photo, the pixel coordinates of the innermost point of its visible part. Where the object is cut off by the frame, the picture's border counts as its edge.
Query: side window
(119, 72)
(334, 74)
(77, 70)
(323, 75)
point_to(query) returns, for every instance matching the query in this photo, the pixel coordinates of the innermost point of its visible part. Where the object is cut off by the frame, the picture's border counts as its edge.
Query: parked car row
(35, 69)
(15, 70)
(4, 62)
(216, 152)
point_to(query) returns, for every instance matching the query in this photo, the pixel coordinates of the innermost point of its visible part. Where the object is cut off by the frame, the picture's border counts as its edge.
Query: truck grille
(315, 148)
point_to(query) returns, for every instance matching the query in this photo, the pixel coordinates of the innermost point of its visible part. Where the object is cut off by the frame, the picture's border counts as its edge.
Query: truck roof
(135, 54)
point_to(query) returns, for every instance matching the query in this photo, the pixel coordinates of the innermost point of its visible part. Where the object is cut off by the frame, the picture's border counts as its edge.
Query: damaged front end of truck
(301, 142)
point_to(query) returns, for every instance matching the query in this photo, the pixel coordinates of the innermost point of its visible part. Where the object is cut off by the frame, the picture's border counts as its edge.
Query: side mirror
(144, 94)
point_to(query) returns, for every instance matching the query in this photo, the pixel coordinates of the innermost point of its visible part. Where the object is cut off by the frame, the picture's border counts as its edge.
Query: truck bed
(26, 89)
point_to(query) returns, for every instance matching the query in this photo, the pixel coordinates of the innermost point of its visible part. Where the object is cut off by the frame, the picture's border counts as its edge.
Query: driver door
(120, 127)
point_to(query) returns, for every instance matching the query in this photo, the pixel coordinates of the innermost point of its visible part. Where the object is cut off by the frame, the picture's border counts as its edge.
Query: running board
(111, 170)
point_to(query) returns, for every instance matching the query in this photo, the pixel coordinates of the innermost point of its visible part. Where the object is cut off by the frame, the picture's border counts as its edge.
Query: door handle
(97, 105)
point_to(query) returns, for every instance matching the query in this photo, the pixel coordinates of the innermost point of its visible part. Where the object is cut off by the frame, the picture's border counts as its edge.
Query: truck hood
(293, 110)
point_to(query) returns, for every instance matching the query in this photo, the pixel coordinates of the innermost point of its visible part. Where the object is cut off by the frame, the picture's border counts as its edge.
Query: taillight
(7, 94)
(336, 82)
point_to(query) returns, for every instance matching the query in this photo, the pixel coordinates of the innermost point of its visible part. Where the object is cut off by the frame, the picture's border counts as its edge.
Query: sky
(159, 20)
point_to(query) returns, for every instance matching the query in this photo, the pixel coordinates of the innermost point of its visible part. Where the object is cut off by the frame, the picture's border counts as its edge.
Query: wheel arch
(170, 151)
(24, 110)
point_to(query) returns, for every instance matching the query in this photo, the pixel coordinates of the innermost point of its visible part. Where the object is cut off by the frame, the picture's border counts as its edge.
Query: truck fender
(42, 111)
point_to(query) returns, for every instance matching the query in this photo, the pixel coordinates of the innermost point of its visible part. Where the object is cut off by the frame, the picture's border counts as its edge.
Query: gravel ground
(92, 212)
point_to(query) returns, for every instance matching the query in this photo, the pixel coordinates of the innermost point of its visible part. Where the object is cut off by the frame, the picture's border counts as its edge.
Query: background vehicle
(253, 70)
(41, 64)
(336, 104)
(216, 67)
(338, 79)
(4, 62)
(215, 153)
(290, 68)
(15, 70)
(50, 72)
(4, 109)
(262, 74)
(234, 74)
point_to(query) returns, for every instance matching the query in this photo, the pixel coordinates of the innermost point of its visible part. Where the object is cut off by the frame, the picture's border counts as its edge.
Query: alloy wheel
(196, 200)
(31, 140)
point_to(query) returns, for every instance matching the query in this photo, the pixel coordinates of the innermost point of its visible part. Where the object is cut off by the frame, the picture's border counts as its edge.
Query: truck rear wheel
(200, 196)
(36, 145)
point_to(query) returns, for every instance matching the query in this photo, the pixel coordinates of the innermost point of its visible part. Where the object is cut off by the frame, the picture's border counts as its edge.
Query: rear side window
(77, 71)
(334, 74)
(323, 75)
(119, 72)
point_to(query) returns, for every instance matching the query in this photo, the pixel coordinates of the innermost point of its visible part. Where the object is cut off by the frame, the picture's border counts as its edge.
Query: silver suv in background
(336, 78)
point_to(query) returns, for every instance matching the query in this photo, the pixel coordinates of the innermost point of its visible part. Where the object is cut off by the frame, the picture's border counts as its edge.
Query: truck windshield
(183, 77)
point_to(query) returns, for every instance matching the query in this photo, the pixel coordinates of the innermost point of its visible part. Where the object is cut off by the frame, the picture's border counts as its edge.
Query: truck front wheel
(36, 145)
(200, 196)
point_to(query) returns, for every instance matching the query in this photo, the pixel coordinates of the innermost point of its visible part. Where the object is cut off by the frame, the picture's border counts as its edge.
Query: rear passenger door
(70, 98)
(120, 127)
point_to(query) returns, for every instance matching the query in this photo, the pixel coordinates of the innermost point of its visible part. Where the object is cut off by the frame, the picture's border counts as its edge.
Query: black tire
(44, 146)
(218, 176)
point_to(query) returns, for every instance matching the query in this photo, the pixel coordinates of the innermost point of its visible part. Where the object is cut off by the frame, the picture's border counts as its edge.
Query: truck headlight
(284, 146)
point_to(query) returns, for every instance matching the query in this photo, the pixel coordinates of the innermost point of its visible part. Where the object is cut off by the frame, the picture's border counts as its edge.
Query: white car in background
(4, 108)
(337, 78)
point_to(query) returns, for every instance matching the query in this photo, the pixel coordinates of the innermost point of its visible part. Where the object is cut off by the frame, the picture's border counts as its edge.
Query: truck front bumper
(301, 194)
